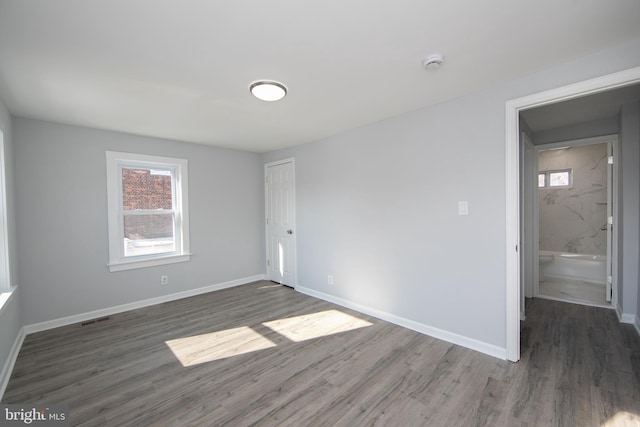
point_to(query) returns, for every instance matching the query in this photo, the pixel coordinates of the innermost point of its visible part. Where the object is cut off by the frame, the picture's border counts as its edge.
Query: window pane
(148, 234)
(146, 189)
(541, 180)
(558, 179)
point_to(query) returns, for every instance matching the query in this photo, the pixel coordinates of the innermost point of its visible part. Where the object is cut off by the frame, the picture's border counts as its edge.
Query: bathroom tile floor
(576, 291)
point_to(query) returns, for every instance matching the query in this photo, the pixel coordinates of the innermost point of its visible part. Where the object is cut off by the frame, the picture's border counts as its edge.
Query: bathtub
(562, 265)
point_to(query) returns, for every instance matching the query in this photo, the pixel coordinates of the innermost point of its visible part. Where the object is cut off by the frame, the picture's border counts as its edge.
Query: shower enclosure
(574, 193)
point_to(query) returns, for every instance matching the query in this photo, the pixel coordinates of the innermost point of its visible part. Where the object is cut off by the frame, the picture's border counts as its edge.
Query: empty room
(294, 213)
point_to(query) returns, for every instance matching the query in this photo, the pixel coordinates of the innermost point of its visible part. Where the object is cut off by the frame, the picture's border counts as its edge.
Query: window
(555, 179)
(147, 210)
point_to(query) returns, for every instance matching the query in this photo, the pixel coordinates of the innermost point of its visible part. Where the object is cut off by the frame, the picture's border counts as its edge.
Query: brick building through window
(147, 189)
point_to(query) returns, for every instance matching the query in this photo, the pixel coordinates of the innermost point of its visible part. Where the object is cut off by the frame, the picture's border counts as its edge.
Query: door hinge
(268, 262)
(610, 220)
(267, 221)
(610, 160)
(610, 280)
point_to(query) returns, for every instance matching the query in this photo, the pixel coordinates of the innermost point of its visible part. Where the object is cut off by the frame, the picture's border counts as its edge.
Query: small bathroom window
(561, 178)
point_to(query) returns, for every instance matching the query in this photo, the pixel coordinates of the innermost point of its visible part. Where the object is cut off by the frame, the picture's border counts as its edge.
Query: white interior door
(280, 222)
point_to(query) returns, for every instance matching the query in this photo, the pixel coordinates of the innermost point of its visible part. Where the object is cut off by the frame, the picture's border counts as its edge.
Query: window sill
(5, 297)
(131, 265)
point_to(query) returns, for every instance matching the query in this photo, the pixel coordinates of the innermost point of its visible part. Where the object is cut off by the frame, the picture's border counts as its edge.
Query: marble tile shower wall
(571, 218)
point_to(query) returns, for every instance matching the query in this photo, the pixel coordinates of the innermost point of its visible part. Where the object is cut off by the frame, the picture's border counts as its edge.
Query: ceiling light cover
(268, 90)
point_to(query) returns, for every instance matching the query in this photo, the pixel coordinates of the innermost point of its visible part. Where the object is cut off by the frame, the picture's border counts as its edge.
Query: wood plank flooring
(263, 354)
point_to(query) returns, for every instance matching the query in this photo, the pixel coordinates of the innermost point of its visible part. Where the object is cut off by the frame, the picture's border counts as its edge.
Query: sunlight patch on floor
(275, 285)
(623, 419)
(218, 345)
(316, 325)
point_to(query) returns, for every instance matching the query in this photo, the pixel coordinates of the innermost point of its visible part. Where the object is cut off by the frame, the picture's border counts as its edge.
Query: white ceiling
(181, 69)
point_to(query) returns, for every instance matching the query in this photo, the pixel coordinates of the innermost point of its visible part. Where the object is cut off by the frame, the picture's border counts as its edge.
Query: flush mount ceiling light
(433, 62)
(268, 90)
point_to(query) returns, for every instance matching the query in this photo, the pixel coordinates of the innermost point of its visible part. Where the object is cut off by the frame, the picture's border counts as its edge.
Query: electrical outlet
(330, 279)
(164, 280)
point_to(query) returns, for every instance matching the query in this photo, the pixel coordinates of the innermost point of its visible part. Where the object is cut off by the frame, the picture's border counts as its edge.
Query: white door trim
(512, 183)
(528, 252)
(536, 228)
(291, 160)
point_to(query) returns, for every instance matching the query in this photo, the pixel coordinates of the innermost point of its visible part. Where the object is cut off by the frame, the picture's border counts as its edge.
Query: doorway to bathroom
(604, 105)
(574, 214)
(604, 117)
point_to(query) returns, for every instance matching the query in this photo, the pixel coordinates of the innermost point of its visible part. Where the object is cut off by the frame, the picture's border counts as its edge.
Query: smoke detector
(433, 62)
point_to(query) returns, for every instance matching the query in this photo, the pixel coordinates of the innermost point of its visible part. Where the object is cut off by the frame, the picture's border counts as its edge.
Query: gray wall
(377, 206)
(637, 310)
(10, 314)
(62, 224)
(629, 208)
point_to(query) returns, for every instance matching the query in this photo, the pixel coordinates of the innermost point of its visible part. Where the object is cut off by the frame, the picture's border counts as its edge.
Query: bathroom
(573, 207)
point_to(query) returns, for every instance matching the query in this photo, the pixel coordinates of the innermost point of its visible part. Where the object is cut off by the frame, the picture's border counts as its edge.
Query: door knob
(289, 231)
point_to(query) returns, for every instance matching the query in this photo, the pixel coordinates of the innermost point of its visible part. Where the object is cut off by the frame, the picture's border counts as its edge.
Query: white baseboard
(625, 317)
(629, 318)
(11, 361)
(82, 317)
(451, 337)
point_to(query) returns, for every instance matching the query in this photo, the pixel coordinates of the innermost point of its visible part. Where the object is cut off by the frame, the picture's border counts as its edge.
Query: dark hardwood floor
(263, 354)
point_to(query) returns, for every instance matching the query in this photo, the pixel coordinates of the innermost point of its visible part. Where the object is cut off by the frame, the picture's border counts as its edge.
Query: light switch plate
(463, 208)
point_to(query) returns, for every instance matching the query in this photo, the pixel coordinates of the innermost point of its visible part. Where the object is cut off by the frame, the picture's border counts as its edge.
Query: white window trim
(117, 261)
(5, 275)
